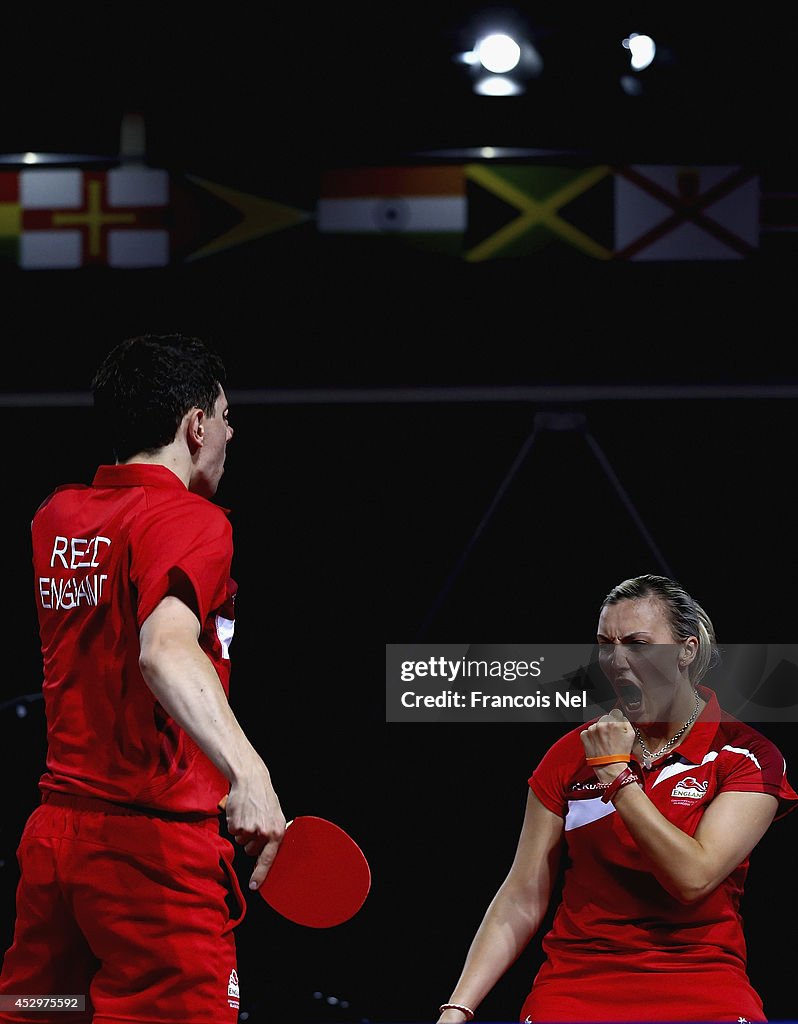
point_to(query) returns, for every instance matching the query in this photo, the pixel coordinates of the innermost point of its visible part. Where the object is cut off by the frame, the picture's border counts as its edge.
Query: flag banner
(517, 210)
(418, 206)
(686, 213)
(72, 218)
(248, 218)
(128, 217)
(134, 217)
(489, 210)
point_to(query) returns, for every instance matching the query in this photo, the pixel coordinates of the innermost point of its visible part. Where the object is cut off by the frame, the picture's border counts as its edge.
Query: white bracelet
(469, 1014)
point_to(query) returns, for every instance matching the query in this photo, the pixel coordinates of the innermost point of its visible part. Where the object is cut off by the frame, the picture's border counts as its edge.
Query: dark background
(350, 515)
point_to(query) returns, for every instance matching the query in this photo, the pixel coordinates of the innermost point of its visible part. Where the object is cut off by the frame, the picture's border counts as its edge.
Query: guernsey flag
(64, 218)
(128, 217)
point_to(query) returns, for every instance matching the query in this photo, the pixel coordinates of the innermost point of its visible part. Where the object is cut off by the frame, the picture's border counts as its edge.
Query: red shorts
(134, 912)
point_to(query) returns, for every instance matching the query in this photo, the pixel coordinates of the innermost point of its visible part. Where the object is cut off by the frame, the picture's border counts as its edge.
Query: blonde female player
(658, 806)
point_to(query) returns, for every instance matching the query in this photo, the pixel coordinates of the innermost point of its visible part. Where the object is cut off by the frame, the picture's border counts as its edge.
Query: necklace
(648, 757)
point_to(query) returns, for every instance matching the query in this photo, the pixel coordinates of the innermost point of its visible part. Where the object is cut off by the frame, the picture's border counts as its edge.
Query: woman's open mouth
(630, 694)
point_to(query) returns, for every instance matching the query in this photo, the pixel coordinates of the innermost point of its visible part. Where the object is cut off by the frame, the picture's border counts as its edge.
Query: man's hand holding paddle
(256, 822)
(321, 878)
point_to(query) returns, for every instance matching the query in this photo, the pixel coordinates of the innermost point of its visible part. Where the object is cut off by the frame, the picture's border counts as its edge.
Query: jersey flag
(686, 213)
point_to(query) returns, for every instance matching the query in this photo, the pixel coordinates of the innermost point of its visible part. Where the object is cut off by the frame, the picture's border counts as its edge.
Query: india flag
(425, 205)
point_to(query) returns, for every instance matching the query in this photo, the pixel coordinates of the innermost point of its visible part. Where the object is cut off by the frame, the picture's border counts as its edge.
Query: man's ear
(195, 429)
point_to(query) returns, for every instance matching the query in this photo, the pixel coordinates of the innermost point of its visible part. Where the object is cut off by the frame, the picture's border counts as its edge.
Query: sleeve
(550, 780)
(754, 764)
(184, 549)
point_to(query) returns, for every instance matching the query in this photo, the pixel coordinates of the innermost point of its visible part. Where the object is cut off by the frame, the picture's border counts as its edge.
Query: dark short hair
(146, 385)
(685, 615)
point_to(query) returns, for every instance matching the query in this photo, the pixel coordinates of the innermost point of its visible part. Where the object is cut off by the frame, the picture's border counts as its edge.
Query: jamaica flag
(516, 210)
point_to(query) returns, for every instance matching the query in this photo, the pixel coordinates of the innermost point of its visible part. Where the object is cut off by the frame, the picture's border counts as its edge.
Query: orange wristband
(594, 762)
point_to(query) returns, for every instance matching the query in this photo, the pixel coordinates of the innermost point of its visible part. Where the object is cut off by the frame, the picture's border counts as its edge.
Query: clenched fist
(611, 734)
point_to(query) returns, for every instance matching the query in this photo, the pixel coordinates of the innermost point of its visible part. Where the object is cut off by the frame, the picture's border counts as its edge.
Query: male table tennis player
(127, 894)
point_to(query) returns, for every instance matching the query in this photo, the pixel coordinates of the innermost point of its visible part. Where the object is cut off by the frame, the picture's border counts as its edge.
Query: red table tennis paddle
(319, 877)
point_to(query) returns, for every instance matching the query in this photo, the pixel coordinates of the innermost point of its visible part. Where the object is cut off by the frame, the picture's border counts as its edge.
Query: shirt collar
(135, 474)
(699, 740)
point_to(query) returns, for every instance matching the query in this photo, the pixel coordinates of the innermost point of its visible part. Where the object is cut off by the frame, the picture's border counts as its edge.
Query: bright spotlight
(498, 53)
(642, 49)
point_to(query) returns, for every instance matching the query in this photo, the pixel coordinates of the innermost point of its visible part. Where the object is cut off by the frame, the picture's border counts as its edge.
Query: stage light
(498, 53)
(642, 49)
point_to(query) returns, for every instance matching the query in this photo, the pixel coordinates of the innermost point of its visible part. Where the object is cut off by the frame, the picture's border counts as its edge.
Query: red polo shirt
(619, 942)
(103, 557)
